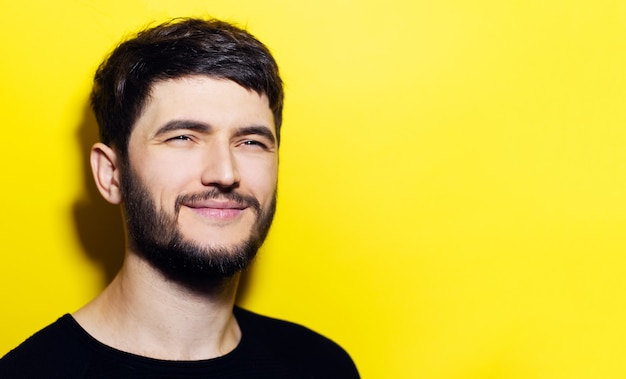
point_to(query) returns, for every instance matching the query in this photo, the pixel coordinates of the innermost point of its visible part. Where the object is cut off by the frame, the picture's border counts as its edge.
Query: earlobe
(106, 172)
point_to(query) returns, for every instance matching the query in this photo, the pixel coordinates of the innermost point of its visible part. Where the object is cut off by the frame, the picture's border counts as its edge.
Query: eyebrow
(202, 127)
(174, 125)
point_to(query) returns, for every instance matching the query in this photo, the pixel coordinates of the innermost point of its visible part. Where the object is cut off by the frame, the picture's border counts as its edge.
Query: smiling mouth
(218, 206)
(218, 210)
(219, 213)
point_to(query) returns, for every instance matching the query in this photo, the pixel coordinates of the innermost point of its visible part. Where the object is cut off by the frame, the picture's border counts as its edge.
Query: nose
(220, 167)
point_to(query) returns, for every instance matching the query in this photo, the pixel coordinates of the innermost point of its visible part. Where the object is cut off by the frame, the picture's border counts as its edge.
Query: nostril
(225, 187)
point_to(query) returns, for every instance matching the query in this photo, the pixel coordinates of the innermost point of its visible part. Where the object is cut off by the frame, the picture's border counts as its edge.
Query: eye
(180, 138)
(251, 142)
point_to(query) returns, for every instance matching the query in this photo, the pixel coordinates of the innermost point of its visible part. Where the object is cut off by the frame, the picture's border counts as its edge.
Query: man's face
(199, 187)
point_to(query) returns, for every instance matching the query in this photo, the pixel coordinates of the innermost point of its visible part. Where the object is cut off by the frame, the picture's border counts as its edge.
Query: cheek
(260, 178)
(166, 177)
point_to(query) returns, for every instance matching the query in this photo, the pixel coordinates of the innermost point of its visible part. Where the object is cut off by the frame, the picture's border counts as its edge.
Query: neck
(144, 313)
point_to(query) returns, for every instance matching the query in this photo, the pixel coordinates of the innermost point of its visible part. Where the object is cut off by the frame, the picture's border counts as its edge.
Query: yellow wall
(452, 192)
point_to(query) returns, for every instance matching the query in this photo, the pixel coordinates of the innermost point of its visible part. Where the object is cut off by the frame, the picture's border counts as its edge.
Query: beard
(155, 236)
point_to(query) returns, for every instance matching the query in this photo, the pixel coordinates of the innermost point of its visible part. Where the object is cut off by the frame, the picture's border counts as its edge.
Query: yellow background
(451, 200)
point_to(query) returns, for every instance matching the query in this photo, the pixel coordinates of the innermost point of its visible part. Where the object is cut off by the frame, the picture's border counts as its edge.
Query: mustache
(216, 194)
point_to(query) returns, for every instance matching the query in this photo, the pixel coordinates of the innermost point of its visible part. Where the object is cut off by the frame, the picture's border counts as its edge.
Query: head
(188, 210)
(176, 49)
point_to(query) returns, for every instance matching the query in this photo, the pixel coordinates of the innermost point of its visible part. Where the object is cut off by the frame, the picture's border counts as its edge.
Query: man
(189, 115)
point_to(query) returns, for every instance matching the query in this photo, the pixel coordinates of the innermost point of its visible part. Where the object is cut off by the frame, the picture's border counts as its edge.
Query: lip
(216, 204)
(217, 210)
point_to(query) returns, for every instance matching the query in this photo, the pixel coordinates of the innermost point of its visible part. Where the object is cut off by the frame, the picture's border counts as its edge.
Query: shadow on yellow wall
(98, 223)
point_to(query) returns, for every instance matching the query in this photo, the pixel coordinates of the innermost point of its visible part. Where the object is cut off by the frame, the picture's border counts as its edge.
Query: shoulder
(51, 348)
(297, 344)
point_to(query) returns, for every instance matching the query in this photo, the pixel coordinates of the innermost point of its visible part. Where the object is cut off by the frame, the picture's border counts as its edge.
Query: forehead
(218, 102)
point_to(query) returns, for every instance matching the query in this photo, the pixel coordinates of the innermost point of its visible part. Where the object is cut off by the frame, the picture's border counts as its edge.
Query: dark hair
(174, 49)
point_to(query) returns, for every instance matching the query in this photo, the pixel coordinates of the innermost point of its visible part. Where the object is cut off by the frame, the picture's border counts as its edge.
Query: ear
(106, 172)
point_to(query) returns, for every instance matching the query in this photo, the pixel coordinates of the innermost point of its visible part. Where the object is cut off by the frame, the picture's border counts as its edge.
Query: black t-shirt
(269, 348)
